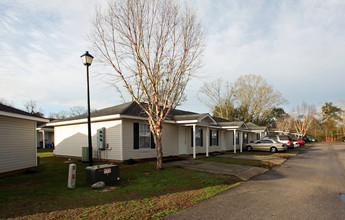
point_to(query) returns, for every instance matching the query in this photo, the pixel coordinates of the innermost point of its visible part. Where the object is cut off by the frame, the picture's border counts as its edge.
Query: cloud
(297, 46)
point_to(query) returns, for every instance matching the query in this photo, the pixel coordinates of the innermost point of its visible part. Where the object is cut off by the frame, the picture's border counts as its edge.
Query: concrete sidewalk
(243, 172)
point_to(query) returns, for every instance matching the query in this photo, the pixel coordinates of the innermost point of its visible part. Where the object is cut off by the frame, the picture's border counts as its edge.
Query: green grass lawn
(141, 193)
(244, 162)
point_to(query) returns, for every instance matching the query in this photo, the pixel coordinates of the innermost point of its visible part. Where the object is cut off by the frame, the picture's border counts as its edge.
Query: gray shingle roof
(6, 108)
(129, 108)
(231, 123)
(253, 126)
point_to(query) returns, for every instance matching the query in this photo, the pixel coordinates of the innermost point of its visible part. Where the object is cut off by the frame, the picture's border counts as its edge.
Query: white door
(182, 141)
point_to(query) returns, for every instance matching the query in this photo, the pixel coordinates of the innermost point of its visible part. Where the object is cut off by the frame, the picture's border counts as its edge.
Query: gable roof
(129, 108)
(133, 109)
(253, 126)
(190, 118)
(9, 111)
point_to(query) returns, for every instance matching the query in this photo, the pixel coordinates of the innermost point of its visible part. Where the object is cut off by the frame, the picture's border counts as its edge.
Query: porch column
(207, 140)
(194, 145)
(240, 134)
(43, 138)
(235, 141)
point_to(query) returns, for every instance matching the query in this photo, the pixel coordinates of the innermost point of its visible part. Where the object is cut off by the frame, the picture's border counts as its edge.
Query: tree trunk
(158, 142)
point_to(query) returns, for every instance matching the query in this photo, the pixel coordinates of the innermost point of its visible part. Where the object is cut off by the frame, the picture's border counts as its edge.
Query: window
(285, 138)
(144, 136)
(198, 137)
(213, 138)
(245, 138)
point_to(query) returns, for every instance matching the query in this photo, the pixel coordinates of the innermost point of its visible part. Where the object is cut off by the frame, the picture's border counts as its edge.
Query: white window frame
(143, 135)
(214, 138)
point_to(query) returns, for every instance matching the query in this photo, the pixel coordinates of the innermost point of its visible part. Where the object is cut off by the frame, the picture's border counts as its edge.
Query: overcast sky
(297, 46)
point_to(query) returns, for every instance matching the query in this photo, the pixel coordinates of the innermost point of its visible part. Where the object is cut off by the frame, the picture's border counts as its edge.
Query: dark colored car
(307, 139)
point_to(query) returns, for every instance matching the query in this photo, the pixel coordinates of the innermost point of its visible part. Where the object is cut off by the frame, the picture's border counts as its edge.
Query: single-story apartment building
(45, 135)
(17, 139)
(127, 134)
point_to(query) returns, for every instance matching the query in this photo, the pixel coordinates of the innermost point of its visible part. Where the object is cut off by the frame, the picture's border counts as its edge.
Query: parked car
(297, 142)
(307, 139)
(266, 145)
(343, 139)
(286, 139)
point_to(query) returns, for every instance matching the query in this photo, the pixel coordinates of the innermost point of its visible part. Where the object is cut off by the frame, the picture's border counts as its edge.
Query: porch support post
(235, 141)
(44, 140)
(241, 140)
(194, 145)
(207, 140)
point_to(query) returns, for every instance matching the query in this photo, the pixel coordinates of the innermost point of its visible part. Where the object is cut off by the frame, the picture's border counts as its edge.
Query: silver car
(266, 145)
(286, 139)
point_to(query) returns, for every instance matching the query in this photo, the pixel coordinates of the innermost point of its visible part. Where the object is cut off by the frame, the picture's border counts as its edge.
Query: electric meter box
(107, 173)
(101, 139)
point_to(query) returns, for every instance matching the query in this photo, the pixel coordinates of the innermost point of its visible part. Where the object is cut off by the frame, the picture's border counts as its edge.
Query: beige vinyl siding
(17, 144)
(69, 139)
(169, 142)
(251, 137)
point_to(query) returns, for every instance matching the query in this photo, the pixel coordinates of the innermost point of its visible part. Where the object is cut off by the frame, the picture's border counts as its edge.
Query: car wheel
(274, 149)
(249, 148)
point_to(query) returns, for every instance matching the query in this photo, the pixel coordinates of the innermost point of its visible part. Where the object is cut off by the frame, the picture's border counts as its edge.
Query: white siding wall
(70, 139)
(251, 137)
(17, 144)
(206, 137)
(170, 142)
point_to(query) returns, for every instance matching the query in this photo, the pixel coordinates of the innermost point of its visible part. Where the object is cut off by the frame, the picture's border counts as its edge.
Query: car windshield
(285, 138)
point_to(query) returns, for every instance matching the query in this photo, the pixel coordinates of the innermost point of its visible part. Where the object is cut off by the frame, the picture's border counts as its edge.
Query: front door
(182, 142)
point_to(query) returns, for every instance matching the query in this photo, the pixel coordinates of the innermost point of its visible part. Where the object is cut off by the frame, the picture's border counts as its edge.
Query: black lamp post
(87, 60)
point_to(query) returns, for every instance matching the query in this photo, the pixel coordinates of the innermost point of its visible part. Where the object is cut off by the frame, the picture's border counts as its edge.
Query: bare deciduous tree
(250, 98)
(284, 122)
(5, 102)
(32, 107)
(302, 117)
(154, 48)
(219, 98)
(76, 111)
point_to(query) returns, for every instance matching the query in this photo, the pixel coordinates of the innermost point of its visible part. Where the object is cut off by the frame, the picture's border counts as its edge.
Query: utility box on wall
(107, 173)
(85, 154)
(101, 139)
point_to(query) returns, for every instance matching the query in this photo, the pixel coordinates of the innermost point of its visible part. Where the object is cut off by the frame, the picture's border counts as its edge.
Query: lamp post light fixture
(87, 60)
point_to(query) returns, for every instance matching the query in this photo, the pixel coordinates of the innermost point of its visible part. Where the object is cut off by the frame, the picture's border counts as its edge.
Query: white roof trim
(100, 118)
(27, 117)
(45, 129)
(84, 120)
(187, 122)
(208, 115)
